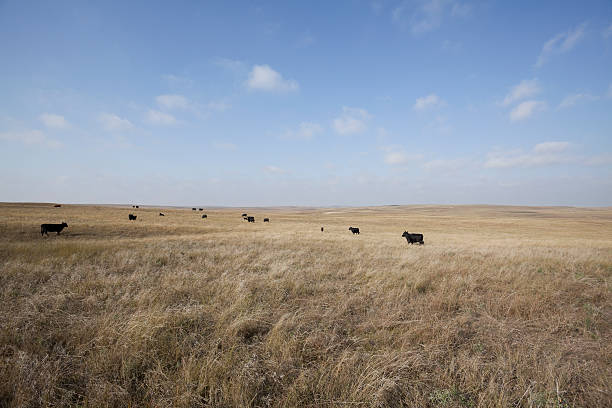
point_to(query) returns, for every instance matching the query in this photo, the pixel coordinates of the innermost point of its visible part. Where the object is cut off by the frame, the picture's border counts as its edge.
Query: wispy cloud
(218, 106)
(446, 165)
(54, 121)
(351, 121)
(264, 78)
(575, 99)
(542, 154)
(155, 117)
(395, 155)
(30, 137)
(229, 64)
(527, 88)
(526, 109)
(426, 15)
(561, 43)
(173, 102)
(177, 81)
(305, 131)
(274, 170)
(429, 101)
(114, 123)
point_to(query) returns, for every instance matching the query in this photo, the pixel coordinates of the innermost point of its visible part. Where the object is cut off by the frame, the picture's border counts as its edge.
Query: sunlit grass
(503, 306)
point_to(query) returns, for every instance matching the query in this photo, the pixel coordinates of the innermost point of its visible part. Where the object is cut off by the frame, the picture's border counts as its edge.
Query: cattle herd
(411, 238)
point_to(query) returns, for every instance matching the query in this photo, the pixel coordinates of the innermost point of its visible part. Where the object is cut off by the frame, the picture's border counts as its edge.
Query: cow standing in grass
(413, 238)
(45, 228)
(354, 230)
(132, 217)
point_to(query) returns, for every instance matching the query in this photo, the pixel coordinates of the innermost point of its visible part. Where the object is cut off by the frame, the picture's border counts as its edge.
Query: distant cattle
(266, 220)
(245, 218)
(137, 206)
(251, 219)
(57, 205)
(132, 217)
(204, 216)
(201, 209)
(45, 228)
(244, 215)
(413, 238)
(321, 229)
(354, 230)
(193, 209)
(162, 215)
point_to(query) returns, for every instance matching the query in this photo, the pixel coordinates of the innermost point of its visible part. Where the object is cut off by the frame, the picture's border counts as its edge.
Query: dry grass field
(502, 307)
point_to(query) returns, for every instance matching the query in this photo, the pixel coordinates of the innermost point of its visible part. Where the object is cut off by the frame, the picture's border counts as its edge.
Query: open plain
(502, 307)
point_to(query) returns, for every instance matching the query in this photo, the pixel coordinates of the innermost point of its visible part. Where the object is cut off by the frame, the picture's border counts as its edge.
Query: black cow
(266, 220)
(354, 230)
(244, 215)
(201, 209)
(44, 228)
(132, 217)
(57, 205)
(321, 229)
(251, 219)
(245, 218)
(193, 209)
(162, 215)
(413, 238)
(204, 216)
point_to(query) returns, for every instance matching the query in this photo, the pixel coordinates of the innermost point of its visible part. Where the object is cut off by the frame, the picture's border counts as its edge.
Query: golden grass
(502, 307)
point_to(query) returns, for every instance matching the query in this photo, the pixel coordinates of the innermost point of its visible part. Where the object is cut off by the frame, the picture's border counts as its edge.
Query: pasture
(502, 307)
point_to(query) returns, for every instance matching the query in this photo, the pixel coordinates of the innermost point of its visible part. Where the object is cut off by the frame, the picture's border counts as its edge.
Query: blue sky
(306, 103)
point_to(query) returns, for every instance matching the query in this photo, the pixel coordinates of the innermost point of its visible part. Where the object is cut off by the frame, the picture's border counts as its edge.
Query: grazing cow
(413, 238)
(354, 230)
(57, 205)
(44, 228)
(251, 219)
(137, 207)
(244, 215)
(321, 229)
(204, 216)
(193, 209)
(266, 220)
(132, 217)
(201, 209)
(162, 215)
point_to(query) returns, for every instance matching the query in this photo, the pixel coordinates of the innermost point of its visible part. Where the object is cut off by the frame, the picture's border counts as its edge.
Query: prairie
(502, 307)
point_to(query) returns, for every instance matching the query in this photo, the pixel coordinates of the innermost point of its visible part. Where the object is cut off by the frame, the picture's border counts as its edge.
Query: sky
(316, 103)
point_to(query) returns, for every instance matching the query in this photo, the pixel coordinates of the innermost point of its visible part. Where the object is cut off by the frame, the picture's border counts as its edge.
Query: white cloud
(429, 101)
(426, 15)
(525, 89)
(274, 170)
(30, 137)
(173, 101)
(352, 120)
(574, 99)
(305, 131)
(264, 78)
(51, 120)
(113, 122)
(160, 118)
(560, 44)
(542, 154)
(599, 160)
(607, 32)
(526, 109)
(551, 147)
